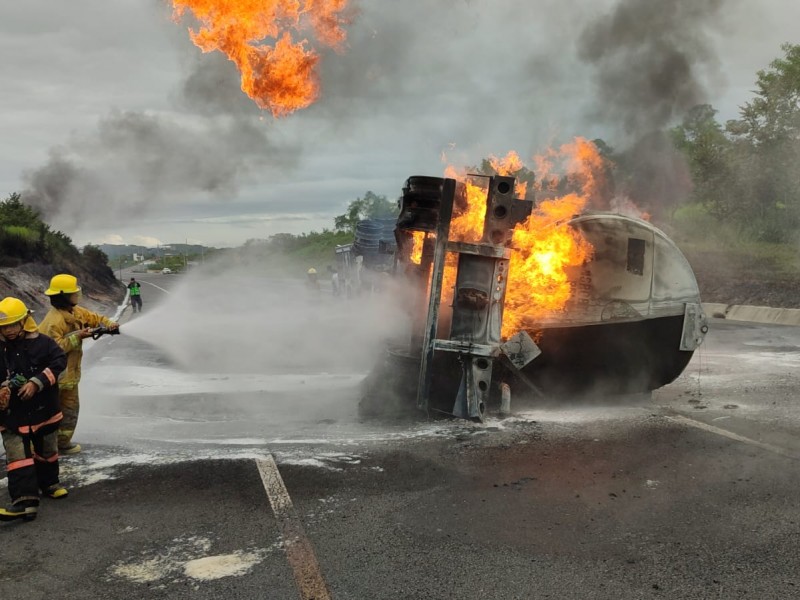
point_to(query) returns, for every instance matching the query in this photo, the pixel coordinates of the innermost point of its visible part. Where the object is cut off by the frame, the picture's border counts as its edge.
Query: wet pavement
(688, 494)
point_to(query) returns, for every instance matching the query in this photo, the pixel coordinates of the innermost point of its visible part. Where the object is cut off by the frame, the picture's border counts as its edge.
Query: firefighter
(30, 364)
(313, 281)
(334, 280)
(69, 324)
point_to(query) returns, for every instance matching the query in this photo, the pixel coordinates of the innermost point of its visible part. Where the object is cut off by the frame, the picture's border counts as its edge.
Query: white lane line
(734, 436)
(299, 552)
(158, 287)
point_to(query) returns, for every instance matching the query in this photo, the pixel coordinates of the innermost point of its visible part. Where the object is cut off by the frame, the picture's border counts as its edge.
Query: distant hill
(114, 251)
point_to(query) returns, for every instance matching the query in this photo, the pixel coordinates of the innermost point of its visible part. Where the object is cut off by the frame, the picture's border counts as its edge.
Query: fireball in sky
(268, 40)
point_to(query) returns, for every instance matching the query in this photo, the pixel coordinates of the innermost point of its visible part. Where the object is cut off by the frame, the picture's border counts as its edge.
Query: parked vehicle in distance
(166, 271)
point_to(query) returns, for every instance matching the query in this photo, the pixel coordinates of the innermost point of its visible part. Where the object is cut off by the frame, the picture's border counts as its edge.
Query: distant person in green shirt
(136, 295)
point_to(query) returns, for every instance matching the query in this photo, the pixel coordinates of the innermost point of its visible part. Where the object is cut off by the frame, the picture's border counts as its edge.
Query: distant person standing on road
(30, 364)
(69, 324)
(334, 280)
(136, 295)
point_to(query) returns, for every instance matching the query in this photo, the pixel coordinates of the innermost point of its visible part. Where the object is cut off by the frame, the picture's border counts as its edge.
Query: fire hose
(98, 332)
(17, 381)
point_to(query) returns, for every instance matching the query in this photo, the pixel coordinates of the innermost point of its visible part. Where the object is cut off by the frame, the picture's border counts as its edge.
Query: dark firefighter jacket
(39, 359)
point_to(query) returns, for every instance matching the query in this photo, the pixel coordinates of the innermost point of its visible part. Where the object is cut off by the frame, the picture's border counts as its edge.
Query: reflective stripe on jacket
(62, 325)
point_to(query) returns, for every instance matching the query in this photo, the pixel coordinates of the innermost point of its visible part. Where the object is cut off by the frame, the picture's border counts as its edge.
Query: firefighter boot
(65, 444)
(22, 509)
(72, 448)
(56, 491)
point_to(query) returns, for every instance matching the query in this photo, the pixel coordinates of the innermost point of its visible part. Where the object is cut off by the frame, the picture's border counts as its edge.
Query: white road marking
(734, 436)
(158, 287)
(299, 552)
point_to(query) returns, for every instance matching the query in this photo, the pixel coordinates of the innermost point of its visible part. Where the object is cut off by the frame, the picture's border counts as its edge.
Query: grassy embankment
(733, 268)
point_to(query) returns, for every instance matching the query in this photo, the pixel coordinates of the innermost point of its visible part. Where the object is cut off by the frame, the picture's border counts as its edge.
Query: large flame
(281, 77)
(545, 246)
(418, 238)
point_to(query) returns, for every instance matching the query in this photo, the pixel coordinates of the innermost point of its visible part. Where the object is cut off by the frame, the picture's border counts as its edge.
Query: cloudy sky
(122, 131)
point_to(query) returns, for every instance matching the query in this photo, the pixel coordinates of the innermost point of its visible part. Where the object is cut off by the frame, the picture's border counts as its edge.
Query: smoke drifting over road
(263, 347)
(266, 325)
(651, 63)
(651, 60)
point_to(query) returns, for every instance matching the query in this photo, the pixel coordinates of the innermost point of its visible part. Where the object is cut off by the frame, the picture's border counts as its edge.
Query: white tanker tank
(634, 318)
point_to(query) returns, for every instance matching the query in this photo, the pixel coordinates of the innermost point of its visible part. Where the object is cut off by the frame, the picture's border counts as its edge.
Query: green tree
(371, 206)
(14, 212)
(709, 152)
(767, 148)
(773, 116)
(94, 255)
(22, 233)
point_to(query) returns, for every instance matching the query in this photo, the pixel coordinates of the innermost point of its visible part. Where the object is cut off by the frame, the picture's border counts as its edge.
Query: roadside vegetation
(25, 238)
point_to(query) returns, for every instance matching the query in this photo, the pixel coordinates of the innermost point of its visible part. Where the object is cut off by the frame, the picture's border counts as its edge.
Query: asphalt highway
(210, 485)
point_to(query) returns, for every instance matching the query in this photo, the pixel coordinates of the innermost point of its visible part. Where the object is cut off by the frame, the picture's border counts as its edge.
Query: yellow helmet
(63, 284)
(312, 271)
(13, 310)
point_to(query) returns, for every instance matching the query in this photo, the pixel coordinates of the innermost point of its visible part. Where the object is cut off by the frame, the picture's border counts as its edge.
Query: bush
(94, 256)
(18, 242)
(25, 238)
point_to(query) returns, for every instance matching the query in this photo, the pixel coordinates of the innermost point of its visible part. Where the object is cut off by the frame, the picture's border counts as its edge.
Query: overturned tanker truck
(631, 324)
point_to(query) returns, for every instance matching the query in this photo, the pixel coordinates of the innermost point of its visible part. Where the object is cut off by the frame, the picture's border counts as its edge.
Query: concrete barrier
(753, 314)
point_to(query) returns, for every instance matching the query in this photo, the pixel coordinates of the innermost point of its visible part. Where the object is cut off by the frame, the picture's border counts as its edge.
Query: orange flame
(281, 78)
(545, 246)
(416, 249)
(467, 224)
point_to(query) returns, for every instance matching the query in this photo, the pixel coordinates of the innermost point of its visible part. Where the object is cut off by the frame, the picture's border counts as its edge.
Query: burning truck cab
(626, 316)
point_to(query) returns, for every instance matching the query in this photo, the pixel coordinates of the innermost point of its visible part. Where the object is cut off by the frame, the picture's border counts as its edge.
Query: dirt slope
(730, 279)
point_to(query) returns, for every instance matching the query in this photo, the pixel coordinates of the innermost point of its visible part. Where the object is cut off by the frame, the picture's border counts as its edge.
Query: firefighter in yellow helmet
(312, 282)
(69, 324)
(30, 364)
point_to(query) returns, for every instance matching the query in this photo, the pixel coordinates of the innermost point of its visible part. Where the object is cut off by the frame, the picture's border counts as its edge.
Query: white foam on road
(152, 381)
(331, 461)
(187, 557)
(580, 414)
(224, 565)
